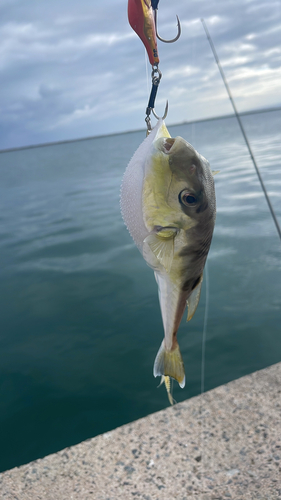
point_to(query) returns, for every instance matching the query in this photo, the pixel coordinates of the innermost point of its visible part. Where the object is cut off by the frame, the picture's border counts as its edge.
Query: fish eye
(187, 199)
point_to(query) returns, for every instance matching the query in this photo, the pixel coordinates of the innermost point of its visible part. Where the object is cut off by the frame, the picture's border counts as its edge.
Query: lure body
(141, 19)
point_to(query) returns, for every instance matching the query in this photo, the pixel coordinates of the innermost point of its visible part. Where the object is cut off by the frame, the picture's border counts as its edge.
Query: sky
(73, 69)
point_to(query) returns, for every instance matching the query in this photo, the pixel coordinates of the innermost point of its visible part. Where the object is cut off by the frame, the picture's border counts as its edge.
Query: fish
(168, 204)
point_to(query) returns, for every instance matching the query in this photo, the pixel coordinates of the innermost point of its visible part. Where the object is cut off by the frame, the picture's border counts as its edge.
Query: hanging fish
(168, 205)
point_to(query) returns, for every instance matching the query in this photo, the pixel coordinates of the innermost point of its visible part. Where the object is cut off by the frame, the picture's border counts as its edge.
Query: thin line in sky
(242, 129)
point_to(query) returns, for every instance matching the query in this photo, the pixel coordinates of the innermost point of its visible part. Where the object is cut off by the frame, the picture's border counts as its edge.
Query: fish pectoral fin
(193, 299)
(215, 172)
(162, 246)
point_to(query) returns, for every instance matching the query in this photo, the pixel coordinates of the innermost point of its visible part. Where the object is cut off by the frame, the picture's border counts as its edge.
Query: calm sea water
(80, 319)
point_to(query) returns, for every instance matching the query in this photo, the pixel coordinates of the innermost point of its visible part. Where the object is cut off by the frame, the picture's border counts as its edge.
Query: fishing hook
(157, 34)
(165, 112)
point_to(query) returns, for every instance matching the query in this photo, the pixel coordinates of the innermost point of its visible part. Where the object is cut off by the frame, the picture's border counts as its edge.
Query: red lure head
(141, 19)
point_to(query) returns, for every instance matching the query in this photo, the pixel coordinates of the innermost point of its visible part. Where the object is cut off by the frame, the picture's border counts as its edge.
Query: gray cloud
(72, 69)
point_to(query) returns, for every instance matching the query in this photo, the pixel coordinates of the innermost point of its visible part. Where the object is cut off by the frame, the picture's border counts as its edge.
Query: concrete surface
(225, 444)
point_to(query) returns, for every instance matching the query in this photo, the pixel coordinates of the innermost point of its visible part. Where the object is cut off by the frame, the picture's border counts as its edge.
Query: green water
(80, 319)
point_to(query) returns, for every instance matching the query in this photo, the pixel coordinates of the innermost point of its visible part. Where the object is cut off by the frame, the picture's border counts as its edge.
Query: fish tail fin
(169, 364)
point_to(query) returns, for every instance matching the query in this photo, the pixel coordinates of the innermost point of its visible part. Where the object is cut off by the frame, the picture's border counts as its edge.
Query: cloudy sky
(71, 69)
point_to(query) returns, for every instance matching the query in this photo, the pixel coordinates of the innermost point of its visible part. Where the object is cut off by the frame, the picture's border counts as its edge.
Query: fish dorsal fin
(193, 299)
(215, 172)
(162, 245)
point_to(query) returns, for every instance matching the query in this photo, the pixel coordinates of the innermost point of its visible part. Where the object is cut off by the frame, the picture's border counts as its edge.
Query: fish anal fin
(193, 299)
(215, 172)
(169, 364)
(167, 381)
(162, 246)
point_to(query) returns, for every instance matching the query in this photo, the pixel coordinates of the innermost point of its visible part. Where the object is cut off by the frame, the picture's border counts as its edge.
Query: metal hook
(165, 112)
(162, 39)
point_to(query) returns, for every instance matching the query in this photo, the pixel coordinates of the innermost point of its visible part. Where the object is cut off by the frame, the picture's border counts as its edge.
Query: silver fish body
(168, 205)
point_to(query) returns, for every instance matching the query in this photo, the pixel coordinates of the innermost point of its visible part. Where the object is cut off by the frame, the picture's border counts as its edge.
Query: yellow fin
(193, 299)
(162, 245)
(169, 363)
(168, 388)
(215, 172)
(167, 381)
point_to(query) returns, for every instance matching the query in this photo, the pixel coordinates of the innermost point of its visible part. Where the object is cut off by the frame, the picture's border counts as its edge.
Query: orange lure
(141, 19)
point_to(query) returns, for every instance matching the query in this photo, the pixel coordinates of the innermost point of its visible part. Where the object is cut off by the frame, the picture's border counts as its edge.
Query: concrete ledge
(222, 445)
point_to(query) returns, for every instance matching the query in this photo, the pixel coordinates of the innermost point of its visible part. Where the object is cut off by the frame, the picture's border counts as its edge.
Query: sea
(80, 318)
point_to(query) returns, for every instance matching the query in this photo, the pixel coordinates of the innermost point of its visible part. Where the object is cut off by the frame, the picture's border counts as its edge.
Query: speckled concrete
(225, 444)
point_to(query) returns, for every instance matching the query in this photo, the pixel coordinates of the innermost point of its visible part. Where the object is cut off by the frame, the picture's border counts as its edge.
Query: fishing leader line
(146, 71)
(241, 127)
(203, 360)
(206, 275)
(204, 336)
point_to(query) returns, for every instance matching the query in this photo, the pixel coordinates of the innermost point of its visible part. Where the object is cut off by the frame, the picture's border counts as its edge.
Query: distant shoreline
(66, 141)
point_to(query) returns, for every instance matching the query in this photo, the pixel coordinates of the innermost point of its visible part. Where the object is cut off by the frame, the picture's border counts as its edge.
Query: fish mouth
(167, 144)
(175, 147)
(170, 145)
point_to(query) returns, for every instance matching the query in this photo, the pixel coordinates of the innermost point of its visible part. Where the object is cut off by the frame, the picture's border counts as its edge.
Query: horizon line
(66, 141)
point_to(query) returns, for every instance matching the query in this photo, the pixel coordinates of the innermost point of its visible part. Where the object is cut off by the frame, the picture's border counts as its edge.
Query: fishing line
(203, 358)
(241, 127)
(192, 133)
(204, 335)
(206, 276)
